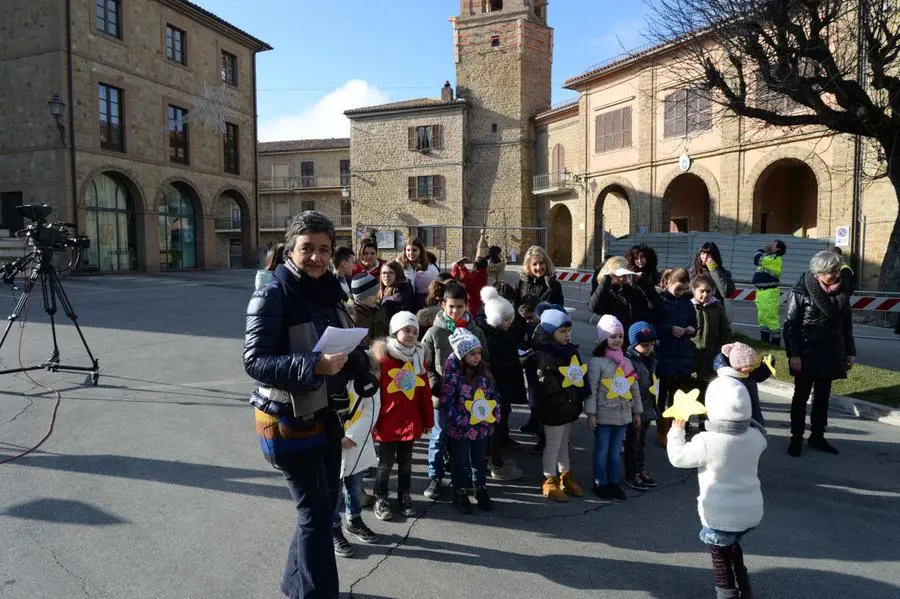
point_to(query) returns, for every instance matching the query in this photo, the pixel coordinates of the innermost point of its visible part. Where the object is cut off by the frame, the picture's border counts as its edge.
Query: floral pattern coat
(469, 409)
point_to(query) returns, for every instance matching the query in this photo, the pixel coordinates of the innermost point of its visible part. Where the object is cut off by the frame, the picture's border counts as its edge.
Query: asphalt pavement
(152, 485)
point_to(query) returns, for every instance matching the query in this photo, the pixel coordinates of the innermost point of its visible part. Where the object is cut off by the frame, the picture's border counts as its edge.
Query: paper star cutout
(654, 388)
(481, 408)
(619, 385)
(404, 380)
(573, 374)
(685, 406)
(358, 413)
(769, 361)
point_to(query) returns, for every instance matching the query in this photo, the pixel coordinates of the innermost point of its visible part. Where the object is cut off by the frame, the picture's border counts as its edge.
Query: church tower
(503, 52)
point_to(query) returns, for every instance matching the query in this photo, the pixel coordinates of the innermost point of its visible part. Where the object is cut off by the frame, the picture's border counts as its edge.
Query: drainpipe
(70, 95)
(255, 161)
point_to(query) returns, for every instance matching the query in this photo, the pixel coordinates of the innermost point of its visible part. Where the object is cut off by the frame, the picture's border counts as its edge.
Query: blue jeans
(312, 478)
(437, 445)
(721, 538)
(351, 496)
(607, 441)
(468, 462)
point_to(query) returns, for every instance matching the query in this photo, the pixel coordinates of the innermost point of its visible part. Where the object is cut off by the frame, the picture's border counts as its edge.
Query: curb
(858, 408)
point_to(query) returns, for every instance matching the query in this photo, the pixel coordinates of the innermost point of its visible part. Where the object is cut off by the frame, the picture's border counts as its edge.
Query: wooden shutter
(669, 116)
(598, 134)
(437, 141)
(627, 126)
(411, 181)
(411, 138)
(438, 186)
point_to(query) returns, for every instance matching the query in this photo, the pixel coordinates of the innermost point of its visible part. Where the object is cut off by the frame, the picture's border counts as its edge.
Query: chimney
(447, 92)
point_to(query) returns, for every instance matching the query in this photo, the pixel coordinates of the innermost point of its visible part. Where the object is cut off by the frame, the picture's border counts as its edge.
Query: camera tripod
(53, 292)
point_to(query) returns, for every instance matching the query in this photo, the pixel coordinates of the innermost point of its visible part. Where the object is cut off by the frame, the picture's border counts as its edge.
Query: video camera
(44, 235)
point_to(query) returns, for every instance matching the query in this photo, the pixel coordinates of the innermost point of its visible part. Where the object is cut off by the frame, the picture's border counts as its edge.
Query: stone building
(445, 168)
(155, 134)
(637, 154)
(308, 174)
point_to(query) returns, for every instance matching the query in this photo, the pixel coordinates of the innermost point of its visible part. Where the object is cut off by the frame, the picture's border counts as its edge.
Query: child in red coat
(406, 410)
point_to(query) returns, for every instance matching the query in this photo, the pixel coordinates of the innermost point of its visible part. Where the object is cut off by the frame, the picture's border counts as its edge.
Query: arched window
(177, 229)
(110, 224)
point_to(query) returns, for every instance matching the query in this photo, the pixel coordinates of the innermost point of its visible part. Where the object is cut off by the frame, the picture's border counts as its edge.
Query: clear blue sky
(335, 54)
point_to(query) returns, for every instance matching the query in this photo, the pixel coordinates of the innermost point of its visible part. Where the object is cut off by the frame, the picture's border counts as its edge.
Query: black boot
(765, 336)
(776, 340)
(462, 502)
(819, 442)
(795, 449)
(483, 499)
(530, 427)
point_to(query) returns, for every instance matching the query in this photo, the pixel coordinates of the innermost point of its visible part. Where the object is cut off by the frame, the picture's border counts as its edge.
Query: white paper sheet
(340, 341)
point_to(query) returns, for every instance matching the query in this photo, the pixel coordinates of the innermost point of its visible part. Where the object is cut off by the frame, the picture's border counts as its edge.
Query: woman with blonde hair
(621, 293)
(538, 278)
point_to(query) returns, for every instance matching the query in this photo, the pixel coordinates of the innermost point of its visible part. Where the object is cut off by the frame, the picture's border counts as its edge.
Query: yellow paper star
(573, 374)
(654, 388)
(769, 361)
(404, 380)
(358, 413)
(619, 385)
(481, 408)
(685, 406)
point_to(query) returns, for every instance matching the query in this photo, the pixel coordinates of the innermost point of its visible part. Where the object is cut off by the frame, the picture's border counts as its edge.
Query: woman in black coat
(629, 298)
(818, 339)
(538, 278)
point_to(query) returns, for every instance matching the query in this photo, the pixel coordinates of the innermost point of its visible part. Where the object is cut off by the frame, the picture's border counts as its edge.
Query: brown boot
(551, 490)
(569, 485)
(662, 430)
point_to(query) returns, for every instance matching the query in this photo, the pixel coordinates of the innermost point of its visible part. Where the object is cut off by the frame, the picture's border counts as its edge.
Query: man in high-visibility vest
(766, 279)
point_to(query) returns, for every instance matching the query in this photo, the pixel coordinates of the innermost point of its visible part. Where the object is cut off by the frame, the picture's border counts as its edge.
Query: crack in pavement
(81, 581)
(22, 411)
(390, 552)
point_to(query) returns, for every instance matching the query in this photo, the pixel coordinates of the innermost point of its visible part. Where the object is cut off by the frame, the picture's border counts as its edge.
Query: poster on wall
(386, 240)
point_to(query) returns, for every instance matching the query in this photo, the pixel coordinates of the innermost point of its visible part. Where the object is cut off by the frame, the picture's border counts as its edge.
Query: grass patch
(864, 382)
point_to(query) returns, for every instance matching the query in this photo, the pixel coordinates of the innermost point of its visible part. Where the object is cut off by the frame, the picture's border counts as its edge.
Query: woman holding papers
(302, 394)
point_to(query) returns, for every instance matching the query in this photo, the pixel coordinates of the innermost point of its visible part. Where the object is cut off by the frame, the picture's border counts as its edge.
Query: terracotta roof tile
(304, 145)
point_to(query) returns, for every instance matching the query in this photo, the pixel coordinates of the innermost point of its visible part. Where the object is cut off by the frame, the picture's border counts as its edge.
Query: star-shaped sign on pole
(619, 385)
(481, 408)
(573, 374)
(404, 380)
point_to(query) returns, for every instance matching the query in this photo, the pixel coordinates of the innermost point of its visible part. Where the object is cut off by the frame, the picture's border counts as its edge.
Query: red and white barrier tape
(868, 303)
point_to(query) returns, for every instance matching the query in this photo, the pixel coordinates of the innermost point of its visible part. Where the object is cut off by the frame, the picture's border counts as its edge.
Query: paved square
(152, 485)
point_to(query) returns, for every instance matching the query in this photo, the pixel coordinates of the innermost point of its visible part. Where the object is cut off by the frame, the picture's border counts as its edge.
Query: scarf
(414, 354)
(325, 291)
(730, 427)
(831, 303)
(452, 325)
(618, 356)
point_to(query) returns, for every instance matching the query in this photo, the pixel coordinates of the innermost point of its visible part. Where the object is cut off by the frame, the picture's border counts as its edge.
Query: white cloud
(326, 117)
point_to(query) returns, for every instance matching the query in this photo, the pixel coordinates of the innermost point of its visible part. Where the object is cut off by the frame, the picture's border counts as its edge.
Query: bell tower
(503, 53)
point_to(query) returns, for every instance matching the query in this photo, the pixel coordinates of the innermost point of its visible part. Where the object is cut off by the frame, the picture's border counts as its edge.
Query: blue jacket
(675, 356)
(768, 270)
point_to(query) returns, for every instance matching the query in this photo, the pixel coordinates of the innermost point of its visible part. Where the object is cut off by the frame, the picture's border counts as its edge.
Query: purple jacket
(456, 390)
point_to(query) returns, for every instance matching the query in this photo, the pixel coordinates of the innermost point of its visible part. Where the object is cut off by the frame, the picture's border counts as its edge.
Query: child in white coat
(730, 501)
(357, 456)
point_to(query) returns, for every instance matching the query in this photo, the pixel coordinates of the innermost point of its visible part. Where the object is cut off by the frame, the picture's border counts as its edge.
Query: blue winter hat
(552, 317)
(463, 342)
(641, 332)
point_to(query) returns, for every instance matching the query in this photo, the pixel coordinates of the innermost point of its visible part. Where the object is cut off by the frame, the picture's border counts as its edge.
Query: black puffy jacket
(819, 329)
(546, 289)
(287, 301)
(504, 363)
(554, 404)
(628, 303)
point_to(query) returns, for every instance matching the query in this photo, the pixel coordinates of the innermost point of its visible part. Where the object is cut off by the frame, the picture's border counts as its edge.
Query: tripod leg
(20, 305)
(57, 291)
(50, 309)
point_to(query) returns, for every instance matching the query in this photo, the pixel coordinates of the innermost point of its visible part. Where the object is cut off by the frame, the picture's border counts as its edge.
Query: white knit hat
(463, 342)
(401, 320)
(727, 399)
(496, 307)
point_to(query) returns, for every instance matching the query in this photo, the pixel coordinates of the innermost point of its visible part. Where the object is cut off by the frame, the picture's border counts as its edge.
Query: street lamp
(57, 108)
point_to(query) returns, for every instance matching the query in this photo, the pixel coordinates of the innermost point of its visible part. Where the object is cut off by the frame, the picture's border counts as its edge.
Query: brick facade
(40, 165)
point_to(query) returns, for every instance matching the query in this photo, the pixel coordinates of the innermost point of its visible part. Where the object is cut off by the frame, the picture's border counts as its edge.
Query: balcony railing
(272, 184)
(228, 223)
(552, 182)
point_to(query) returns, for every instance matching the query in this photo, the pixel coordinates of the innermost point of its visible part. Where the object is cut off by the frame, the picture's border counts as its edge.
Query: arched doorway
(559, 239)
(110, 223)
(686, 202)
(786, 199)
(179, 231)
(612, 214)
(234, 231)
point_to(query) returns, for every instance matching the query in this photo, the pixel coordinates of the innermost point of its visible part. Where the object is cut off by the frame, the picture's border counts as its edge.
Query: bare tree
(798, 63)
